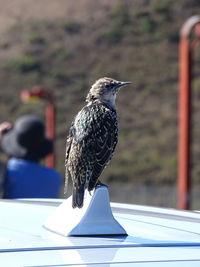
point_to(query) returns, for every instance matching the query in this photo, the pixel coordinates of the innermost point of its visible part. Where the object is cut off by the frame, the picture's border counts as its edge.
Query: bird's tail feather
(77, 196)
(66, 181)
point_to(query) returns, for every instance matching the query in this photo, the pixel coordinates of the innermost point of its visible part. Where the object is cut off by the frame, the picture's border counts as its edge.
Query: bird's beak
(124, 83)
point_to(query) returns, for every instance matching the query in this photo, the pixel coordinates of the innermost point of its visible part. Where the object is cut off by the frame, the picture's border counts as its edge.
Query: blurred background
(65, 46)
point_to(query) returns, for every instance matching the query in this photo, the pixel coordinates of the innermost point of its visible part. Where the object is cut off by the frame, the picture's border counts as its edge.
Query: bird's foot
(99, 183)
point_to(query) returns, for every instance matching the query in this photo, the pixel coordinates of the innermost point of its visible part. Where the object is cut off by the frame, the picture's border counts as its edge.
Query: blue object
(27, 179)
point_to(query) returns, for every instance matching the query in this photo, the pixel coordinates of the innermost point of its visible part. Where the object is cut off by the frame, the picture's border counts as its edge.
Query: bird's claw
(99, 183)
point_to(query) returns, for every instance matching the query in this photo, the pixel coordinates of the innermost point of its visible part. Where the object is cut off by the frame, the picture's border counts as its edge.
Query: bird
(92, 138)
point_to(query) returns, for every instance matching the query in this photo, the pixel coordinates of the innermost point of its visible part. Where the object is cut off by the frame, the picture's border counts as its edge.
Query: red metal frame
(187, 45)
(47, 96)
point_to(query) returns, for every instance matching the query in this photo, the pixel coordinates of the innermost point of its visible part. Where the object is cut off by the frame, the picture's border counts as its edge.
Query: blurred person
(26, 144)
(4, 127)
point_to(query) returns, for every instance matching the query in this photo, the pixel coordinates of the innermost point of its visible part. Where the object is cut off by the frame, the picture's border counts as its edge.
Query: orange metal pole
(50, 131)
(184, 125)
(185, 62)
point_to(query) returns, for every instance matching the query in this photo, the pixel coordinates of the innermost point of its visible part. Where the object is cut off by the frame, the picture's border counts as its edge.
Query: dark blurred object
(27, 139)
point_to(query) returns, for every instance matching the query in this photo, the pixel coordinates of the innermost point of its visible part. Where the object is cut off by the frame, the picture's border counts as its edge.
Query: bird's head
(105, 90)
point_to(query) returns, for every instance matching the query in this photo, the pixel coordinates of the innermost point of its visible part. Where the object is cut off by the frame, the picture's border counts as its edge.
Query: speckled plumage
(92, 138)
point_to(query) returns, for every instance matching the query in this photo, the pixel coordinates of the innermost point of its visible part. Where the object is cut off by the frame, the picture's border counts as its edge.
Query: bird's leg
(90, 192)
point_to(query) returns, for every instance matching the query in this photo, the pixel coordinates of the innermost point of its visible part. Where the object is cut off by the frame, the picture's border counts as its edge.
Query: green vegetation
(147, 24)
(162, 7)
(23, 64)
(111, 35)
(120, 14)
(63, 53)
(118, 26)
(71, 27)
(36, 38)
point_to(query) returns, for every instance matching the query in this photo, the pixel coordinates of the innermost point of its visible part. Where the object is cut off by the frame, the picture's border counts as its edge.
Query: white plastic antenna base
(94, 218)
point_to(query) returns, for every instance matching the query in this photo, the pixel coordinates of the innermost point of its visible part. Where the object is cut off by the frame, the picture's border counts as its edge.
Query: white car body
(156, 237)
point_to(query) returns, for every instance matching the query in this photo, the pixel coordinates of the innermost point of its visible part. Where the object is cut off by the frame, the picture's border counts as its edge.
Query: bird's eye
(107, 86)
(110, 85)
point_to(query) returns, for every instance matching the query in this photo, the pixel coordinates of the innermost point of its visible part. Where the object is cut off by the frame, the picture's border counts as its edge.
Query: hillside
(66, 46)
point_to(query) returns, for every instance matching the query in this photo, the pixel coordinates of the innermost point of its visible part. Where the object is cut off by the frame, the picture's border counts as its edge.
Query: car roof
(156, 236)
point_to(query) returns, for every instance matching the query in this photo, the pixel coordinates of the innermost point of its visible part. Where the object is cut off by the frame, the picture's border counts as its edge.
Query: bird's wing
(105, 140)
(68, 148)
(77, 162)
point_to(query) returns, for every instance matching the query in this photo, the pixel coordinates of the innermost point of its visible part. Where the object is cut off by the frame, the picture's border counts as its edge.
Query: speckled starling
(92, 138)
